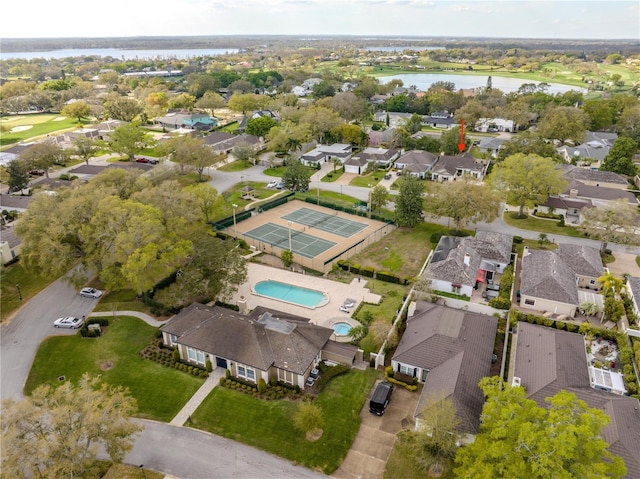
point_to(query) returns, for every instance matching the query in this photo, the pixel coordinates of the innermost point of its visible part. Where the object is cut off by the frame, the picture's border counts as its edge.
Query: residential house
(17, 203)
(10, 245)
(591, 177)
(570, 208)
(450, 168)
(559, 281)
(595, 147)
(396, 119)
(266, 344)
(13, 153)
(190, 121)
(382, 157)
(417, 163)
(258, 114)
(598, 195)
(439, 119)
(449, 350)
(632, 289)
(325, 153)
(489, 125)
(381, 138)
(547, 361)
(491, 145)
(379, 99)
(458, 264)
(222, 142)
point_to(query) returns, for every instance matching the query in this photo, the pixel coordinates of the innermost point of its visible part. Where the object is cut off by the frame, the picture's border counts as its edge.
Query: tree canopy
(123, 108)
(410, 201)
(527, 180)
(518, 438)
(620, 157)
(615, 221)
(296, 176)
(129, 140)
(260, 126)
(56, 432)
(78, 109)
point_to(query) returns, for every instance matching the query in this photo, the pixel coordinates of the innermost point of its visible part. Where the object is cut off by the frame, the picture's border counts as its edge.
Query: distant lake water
(424, 80)
(119, 53)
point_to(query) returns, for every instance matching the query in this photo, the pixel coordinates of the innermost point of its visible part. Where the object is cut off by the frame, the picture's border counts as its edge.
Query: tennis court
(301, 243)
(331, 223)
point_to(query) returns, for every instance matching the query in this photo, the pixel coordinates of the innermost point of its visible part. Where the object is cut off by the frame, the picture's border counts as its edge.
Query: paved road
(192, 454)
(22, 334)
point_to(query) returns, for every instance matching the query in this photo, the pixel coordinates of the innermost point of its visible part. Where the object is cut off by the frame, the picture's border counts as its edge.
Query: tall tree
(348, 105)
(323, 89)
(527, 180)
(518, 438)
(129, 140)
(620, 157)
(18, 175)
(243, 102)
(320, 120)
(211, 101)
(464, 201)
(563, 123)
(410, 201)
(280, 137)
(615, 222)
(260, 126)
(190, 153)
(43, 156)
(123, 108)
(56, 432)
(450, 139)
(296, 176)
(527, 144)
(207, 199)
(85, 147)
(379, 198)
(78, 109)
(245, 152)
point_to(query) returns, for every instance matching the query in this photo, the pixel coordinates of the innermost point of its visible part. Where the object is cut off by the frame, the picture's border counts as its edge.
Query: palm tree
(292, 144)
(612, 283)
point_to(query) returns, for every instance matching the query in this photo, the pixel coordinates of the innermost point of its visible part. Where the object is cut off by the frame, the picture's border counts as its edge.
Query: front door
(221, 362)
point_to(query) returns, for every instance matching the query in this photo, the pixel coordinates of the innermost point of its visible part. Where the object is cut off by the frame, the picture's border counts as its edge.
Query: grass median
(160, 391)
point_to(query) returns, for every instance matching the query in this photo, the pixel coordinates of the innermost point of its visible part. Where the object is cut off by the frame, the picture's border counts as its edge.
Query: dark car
(381, 397)
(36, 172)
(142, 159)
(387, 176)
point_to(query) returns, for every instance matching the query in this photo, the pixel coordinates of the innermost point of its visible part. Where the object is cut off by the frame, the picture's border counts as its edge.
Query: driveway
(624, 263)
(21, 335)
(372, 446)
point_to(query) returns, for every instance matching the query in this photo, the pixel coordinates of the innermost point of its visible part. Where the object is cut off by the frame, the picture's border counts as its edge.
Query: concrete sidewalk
(136, 314)
(212, 381)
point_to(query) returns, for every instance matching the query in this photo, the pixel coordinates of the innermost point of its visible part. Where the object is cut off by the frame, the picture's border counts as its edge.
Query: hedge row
(84, 330)
(388, 374)
(370, 272)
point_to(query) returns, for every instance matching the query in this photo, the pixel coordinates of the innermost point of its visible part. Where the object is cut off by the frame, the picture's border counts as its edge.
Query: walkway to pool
(325, 315)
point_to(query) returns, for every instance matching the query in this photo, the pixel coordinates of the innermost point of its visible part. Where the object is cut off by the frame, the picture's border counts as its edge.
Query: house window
(408, 370)
(200, 356)
(529, 302)
(191, 354)
(456, 288)
(246, 373)
(173, 339)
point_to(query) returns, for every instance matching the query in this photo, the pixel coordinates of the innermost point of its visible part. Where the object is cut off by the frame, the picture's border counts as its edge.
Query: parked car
(272, 184)
(280, 186)
(344, 309)
(387, 176)
(142, 159)
(36, 172)
(90, 293)
(399, 173)
(381, 397)
(70, 322)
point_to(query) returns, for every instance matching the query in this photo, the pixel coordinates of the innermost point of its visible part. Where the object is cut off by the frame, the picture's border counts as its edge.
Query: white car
(90, 293)
(68, 322)
(272, 184)
(344, 309)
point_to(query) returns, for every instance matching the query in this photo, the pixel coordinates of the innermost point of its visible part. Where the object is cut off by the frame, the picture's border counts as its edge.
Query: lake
(424, 80)
(119, 53)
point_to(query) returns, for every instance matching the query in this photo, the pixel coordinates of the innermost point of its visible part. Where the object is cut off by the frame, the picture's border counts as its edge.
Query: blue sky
(502, 18)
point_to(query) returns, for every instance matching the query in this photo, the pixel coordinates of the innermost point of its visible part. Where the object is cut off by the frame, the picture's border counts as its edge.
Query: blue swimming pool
(341, 329)
(289, 293)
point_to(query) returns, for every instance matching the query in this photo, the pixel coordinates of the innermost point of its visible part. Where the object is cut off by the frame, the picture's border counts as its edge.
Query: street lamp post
(19, 292)
(369, 202)
(143, 473)
(235, 228)
(290, 223)
(318, 189)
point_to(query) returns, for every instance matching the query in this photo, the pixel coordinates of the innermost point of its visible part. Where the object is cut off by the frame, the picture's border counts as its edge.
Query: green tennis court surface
(325, 222)
(301, 243)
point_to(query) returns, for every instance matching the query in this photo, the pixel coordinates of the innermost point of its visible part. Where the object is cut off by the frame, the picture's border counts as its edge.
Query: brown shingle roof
(456, 347)
(545, 275)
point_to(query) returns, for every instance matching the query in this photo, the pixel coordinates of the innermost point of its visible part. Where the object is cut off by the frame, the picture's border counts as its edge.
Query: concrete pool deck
(325, 315)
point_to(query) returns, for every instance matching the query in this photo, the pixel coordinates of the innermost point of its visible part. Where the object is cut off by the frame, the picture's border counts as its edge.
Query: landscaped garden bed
(165, 356)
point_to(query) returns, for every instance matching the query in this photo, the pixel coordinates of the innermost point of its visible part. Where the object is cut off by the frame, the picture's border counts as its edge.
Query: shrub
(367, 271)
(500, 303)
(262, 386)
(209, 367)
(572, 328)
(435, 238)
(227, 374)
(560, 325)
(518, 239)
(175, 355)
(354, 268)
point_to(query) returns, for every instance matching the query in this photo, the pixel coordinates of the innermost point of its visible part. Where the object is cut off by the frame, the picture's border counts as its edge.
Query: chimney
(242, 305)
(573, 193)
(467, 259)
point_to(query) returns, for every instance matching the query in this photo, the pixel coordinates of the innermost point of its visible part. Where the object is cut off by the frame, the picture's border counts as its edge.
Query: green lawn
(332, 176)
(30, 284)
(364, 181)
(122, 300)
(268, 425)
(41, 124)
(160, 391)
(541, 225)
(237, 165)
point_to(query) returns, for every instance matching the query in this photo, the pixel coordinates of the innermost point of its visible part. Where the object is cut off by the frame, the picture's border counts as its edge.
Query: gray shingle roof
(599, 192)
(9, 202)
(285, 344)
(583, 260)
(545, 275)
(572, 172)
(456, 347)
(417, 160)
(451, 164)
(563, 202)
(549, 360)
(634, 284)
